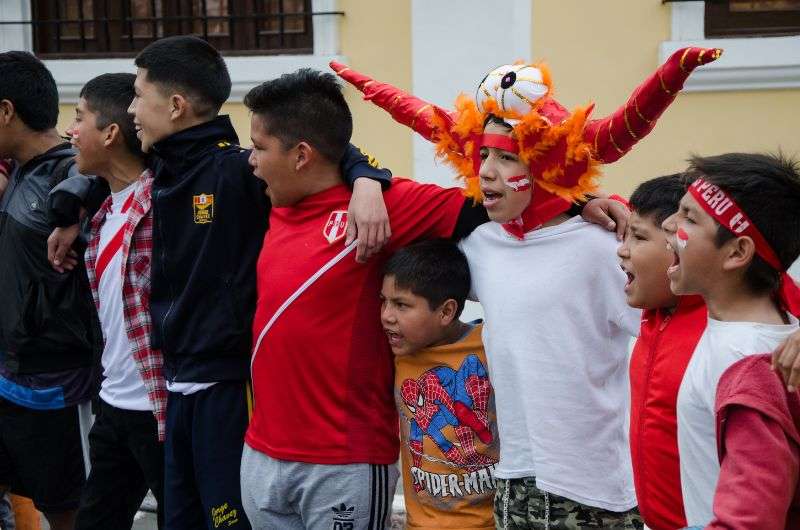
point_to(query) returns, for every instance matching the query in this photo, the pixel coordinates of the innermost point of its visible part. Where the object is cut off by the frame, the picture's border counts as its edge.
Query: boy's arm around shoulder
(368, 220)
(786, 361)
(67, 203)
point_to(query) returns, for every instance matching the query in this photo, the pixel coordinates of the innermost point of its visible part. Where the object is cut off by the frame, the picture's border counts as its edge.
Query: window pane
(752, 18)
(142, 12)
(71, 10)
(294, 24)
(751, 6)
(291, 24)
(98, 28)
(214, 8)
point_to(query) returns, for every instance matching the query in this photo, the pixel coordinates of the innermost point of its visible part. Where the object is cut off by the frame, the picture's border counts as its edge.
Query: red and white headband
(726, 212)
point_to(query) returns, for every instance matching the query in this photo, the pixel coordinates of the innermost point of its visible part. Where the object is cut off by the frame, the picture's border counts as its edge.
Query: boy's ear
(112, 132)
(739, 253)
(447, 311)
(304, 154)
(7, 112)
(178, 106)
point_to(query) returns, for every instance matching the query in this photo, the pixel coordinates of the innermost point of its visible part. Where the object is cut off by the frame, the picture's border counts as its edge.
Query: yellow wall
(65, 114)
(376, 38)
(601, 51)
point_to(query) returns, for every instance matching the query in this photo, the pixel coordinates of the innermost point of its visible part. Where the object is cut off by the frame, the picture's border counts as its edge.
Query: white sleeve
(473, 295)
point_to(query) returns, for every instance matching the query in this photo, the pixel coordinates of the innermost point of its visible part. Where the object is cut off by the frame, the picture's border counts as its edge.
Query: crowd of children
(239, 317)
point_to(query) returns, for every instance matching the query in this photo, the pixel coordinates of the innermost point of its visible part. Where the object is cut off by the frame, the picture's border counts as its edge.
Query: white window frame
(246, 71)
(759, 63)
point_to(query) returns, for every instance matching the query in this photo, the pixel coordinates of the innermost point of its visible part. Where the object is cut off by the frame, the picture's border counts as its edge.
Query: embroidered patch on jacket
(203, 208)
(335, 226)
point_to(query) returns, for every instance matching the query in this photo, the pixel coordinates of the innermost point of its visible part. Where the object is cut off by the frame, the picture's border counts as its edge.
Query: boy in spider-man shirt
(444, 398)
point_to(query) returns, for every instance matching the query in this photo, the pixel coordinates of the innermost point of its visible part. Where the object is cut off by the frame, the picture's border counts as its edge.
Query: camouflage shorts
(519, 504)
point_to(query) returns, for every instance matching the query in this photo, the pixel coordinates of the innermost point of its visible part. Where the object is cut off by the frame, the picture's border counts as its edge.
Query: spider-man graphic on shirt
(443, 396)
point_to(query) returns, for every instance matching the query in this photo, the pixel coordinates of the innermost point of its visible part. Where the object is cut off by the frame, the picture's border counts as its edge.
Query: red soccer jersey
(323, 374)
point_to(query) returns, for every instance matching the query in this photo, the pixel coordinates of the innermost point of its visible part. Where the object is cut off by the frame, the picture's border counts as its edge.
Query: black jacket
(47, 319)
(210, 215)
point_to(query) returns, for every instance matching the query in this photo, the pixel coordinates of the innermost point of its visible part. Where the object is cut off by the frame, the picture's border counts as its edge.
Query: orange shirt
(27, 518)
(448, 430)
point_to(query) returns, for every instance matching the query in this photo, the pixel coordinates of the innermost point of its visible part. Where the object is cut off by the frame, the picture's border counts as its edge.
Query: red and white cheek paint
(682, 238)
(519, 183)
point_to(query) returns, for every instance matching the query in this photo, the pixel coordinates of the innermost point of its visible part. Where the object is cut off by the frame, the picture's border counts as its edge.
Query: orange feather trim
(554, 150)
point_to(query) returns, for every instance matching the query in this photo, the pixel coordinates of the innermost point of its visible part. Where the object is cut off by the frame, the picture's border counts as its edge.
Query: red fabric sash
(113, 246)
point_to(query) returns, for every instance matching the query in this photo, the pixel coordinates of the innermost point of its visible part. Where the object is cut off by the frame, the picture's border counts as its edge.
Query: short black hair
(27, 83)
(109, 96)
(190, 65)
(306, 105)
(436, 270)
(659, 197)
(767, 188)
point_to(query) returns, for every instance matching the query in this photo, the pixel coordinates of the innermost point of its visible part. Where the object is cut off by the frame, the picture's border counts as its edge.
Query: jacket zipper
(166, 277)
(650, 363)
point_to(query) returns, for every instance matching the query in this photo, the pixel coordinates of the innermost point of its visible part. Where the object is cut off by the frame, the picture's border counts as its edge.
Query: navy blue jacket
(47, 319)
(210, 215)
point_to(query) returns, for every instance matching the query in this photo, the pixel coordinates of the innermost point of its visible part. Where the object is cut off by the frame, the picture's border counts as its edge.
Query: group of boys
(181, 282)
(161, 301)
(714, 433)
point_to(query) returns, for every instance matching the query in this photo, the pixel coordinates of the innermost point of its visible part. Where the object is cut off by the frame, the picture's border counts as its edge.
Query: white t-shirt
(556, 335)
(722, 344)
(122, 386)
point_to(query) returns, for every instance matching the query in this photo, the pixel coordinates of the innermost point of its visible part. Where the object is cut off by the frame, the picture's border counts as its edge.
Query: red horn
(409, 110)
(615, 135)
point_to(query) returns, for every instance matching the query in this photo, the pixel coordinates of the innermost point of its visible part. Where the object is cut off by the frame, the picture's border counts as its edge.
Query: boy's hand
(368, 220)
(59, 248)
(786, 361)
(608, 213)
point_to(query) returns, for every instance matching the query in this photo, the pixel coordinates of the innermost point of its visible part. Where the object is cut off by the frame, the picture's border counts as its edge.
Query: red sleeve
(620, 199)
(421, 211)
(758, 476)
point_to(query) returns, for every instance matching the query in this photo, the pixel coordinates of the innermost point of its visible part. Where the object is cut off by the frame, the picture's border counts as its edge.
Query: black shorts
(41, 455)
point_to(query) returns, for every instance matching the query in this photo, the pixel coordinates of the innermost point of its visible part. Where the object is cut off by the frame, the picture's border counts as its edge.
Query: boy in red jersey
(325, 414)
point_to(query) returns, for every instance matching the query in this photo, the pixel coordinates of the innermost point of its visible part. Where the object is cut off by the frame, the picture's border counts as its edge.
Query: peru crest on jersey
(336, 226)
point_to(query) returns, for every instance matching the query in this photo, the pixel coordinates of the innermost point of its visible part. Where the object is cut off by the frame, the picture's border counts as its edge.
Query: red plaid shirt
(137, 251)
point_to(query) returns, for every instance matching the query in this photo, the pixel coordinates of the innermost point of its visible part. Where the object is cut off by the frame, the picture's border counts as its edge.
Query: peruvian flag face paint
(682, 238)
(519, 183)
